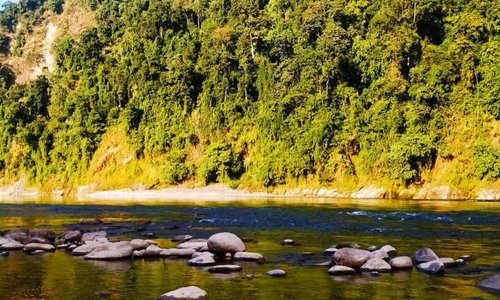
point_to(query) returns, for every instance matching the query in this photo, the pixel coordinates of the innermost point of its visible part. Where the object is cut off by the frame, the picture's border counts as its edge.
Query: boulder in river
(38, 240)
(225, 269)
(86, 248)
(225, 242)
(341, 270)
(152, 251)
(390, 250)
(44, 234)
(71, 236)
(111, 251)
(178, 252)
(376, 264)
(288, 242)
(401, 262)
(432, 267)
(277, 273)
(350, 257)
(202, 260)
(18, 234)
(491, 284)
(424, 255)
(37, 246)
(91, 236)
(380, 254)
(372, 248)
(140, 244)
(249, 256)
(185, 293)
(14, 245)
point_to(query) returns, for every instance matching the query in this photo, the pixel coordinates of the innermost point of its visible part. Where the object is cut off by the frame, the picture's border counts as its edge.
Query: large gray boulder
(350, 257)
(140, 244)
(18, 234)
(424, 255)
(196, 245)
(491, 284)
(432, 267)
(390, 250)
(85, 248)
(401, 263)
(376, 264)
(185, 293)
(44, 234)
(111, 251)
(341, 270)
(152, 251)
(225, 242)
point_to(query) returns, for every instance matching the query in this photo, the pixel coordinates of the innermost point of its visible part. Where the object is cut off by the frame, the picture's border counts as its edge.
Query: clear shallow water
(450, 228)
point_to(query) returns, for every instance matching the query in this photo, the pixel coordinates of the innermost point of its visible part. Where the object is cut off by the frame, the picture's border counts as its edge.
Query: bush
(220, 163)
(486, 159)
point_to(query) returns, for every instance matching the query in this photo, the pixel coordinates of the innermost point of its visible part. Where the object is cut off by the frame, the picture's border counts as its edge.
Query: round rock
(225, 242)
(178, 252)
(491, 284)
(347, 245)
(432, 267)
(202, 260)
(424, 255)
(341, 270)
(350, 257)
(111, 251)
(376, 264)
(185, 293)
(401, 263)
(372, 248)
(448, 262)
(249, 256)
(36, 246)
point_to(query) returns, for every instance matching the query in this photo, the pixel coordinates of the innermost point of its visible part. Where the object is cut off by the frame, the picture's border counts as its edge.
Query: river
(450, 228)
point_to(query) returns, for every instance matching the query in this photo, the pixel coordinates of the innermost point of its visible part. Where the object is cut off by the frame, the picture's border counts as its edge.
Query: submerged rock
(401, 262)
(350, 257)
(424, 255)
(376, 264)
(433, 267)
(182, 238)
(288, 242)
(225, 242)
(4, 253)
(341, 270)
(185, 293)
(277, 273)
(226, 269)
(491, 284)
(448, 262)
(249, 256)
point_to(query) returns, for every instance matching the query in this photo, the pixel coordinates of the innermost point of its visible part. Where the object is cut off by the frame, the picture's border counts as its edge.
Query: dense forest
(258, 94)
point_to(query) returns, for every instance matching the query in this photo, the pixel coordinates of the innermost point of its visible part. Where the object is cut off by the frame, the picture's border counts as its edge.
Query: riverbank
(222, 192)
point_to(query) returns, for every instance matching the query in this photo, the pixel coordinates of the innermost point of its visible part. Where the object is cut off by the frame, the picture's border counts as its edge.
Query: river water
(450, 228)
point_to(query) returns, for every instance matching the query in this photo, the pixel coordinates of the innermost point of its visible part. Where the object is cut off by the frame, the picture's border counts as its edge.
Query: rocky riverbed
(223, 252)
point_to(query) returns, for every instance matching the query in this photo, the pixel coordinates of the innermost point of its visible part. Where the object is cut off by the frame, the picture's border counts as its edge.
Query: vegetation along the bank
(251, 93)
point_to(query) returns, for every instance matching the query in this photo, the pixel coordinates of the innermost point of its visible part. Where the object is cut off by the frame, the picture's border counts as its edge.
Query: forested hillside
(257, 94)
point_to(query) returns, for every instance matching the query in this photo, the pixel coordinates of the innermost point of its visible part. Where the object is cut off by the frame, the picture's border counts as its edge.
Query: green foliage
(486, 160)
(268, 92)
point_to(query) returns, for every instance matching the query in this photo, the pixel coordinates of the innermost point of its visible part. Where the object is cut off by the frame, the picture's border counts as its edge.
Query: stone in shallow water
(193, 245)
(202, 260)
(71, 236)
(376, 264)
(225, 269)
(346, 245)
(401, 262)
(424, 255)
(350, 257)
(432, 267)
(185, 293)
(4, 253)
(36, 246)
(249, 256)
(178, 252)
(276, 273)
(341, 270)
(182, 238)
(372, 248)
(467, 258)
(225, 242)
(390, 250)
(91, 236)
(288, 242)
(111, 251)
(12, 246)
(491, 284)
